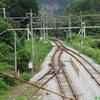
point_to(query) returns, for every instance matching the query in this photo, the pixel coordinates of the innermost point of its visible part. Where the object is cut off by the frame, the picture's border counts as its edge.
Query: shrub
(23, 60)
(40, 52)
(89, 48)
(8, 37)
(10, 81)
(25, 76)
(3, 85)
(21, 98)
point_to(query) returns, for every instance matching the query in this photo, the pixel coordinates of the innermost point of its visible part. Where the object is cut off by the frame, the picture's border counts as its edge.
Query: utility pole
(41, 23)
(15, 39)
(28, 32)
(82, 31)
(31, 32)
(44, 31)
(4, 13)
(46, 26)
(70, 29)
(32, 46)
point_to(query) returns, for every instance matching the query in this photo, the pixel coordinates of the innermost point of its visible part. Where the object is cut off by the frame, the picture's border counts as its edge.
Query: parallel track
(57, 67)
(72, 53)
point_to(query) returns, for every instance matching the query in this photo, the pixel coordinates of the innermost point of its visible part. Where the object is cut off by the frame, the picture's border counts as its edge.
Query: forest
(18, 8)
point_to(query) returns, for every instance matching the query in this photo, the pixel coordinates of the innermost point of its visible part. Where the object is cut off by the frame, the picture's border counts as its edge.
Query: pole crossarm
(51, 28)
(62, 28)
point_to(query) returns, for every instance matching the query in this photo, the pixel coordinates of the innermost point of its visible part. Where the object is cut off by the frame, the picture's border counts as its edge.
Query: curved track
(59, 73)
(79, 59)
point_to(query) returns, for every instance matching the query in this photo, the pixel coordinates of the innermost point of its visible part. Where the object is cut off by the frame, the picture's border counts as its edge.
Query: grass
(89, 48)
(4, 95)
(21, 98)
(41, 50)
(11, 92)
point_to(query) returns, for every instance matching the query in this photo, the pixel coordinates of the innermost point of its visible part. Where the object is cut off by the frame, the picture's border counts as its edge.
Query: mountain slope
(54, 6)
(92, 6)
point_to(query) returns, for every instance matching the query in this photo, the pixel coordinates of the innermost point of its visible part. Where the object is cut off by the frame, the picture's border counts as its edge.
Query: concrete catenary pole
(15, 47)
(31, 29)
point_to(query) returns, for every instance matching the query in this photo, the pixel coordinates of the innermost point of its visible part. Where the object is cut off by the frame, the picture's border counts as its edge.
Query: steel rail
(66, 50)
(64, 73)
(77, 55)
(84, 67)
(81, 58)
(45, 83)
(57, 78)
(35, 85)
(44, 75)
(67, 79)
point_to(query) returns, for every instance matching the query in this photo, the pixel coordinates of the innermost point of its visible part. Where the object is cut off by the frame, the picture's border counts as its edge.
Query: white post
(44, 29)
(41, 24)
(67, 35)
(84, 30)
(81, 19)
(70, 31)
(18, 72)
(32, 46)
(15, 39)
(28, 32)
(4, 12)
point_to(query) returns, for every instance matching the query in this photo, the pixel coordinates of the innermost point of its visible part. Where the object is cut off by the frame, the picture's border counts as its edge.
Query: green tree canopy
(83, 5)
(19, 7)
(8, 36)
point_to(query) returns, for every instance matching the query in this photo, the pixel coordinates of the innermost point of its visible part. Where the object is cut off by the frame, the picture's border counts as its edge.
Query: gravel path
(83, 84)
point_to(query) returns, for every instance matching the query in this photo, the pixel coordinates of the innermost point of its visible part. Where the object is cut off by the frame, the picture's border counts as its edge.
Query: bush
(23, 60)
(10, 81)
(21, 98)
(89, 48)
(40, 52)
(3, 85)
(5, 67)
(25, 76)
(8, 37)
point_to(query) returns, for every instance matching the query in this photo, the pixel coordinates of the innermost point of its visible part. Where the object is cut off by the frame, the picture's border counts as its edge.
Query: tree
(23, 60)
(17, 8)
(83, 5)
(8, 36)
(87, 7)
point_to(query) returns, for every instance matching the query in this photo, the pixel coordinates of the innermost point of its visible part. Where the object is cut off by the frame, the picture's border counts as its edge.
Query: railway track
(80, 59)
(57, 64)
(58, 72)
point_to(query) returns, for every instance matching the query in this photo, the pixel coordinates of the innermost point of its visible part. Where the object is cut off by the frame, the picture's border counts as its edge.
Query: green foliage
(25, 76)
(83, 5)
(6, 53)
(87, 7)
(23, 5)
(92, 53)
(5, 67)
(89, 47)
(41, 51)
(21, 98)
(23, 60)
(8, 36)
(3, 85)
